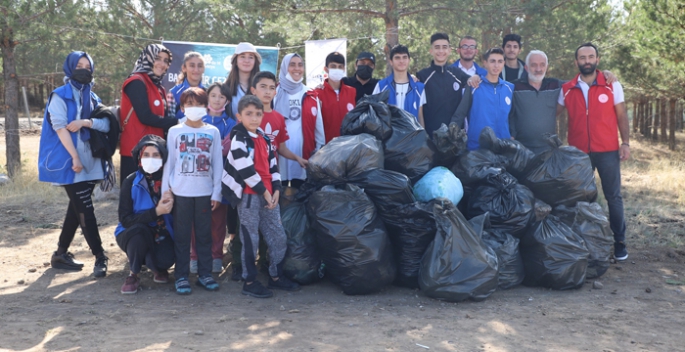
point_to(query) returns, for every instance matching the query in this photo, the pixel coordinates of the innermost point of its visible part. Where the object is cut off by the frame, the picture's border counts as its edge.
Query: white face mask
(151, 165)
(290, 78)
(336, 74)
(195, 113)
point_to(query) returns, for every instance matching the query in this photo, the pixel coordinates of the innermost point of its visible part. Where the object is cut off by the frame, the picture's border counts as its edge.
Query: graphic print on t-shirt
(295, 109)
(268, 130)
(194, 149)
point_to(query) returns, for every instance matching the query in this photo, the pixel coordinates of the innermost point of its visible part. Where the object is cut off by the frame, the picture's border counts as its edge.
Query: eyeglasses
(465, 47)
(165, 61)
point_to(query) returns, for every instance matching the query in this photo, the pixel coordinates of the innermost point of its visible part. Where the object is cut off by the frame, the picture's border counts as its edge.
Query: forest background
(642, 41)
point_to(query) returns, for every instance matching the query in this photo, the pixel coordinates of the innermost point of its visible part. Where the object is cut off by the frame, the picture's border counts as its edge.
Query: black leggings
(80, 213)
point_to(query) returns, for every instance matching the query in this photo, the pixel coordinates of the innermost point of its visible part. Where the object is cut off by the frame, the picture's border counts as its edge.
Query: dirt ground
(641, 306)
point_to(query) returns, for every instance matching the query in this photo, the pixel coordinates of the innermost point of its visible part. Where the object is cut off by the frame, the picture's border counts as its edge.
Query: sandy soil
(641, 306)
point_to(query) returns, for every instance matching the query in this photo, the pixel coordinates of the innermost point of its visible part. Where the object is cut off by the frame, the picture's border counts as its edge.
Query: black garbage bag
(475, 166)
(593, 226)
(450, 142)
(411, 228)
(554, 256)
(567, 215)
(542, 209)
(506, 246)
(515, 154)
(561, 175)
(409, 150)
(510, 204)
(351, 239)
(302, 261)
(345, 157)
(457, 265)
(387, 189)
(371, 115)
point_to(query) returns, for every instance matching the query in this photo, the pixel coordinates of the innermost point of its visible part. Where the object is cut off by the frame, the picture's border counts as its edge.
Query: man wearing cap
(443, 85)
(362, 80)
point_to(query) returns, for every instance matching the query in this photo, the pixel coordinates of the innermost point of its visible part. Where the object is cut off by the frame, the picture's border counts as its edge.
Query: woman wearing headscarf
(145, 224)
(65, 159)
(144, 106)
(302, 111)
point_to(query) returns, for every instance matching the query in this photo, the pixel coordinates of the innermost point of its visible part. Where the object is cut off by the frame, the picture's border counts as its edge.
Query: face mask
(82, 75)
(217, 111)
(195, 113)
(151, 165)
(336, 74)
(364, 72)
(290, 78)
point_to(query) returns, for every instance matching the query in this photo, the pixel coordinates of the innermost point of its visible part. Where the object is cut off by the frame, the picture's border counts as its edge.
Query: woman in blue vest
(144, 231)
(65, 158)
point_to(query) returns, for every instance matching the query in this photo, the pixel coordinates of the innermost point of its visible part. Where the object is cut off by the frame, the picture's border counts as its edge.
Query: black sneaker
(620, 251)
(283, 283)
(65, 261)
(237, 274)
(257, 290)
(100, 268)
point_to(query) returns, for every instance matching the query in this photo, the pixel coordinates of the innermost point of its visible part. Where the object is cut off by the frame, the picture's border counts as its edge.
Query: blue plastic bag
(440, 182)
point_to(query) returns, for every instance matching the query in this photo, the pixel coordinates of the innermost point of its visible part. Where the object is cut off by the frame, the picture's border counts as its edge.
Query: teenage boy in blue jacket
(404, 92)
(489, 104)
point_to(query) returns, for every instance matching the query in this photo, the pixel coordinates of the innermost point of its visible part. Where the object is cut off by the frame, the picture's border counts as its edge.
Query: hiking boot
(257, 290)
(237, 274)
(183, 286)
(100, 268)
(65, 261)
(217, 265)
(161, 277)
(283, 283)
(207, 282)
(130, 285)
(193, 266)
(620, 251)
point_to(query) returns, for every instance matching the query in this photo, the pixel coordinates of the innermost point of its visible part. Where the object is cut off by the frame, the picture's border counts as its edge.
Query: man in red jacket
(337, 99)
(596, 110)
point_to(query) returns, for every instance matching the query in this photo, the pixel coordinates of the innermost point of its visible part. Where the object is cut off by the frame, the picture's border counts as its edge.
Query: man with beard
(596, 110)
(362, 80)
(443, 85)
(534, 109)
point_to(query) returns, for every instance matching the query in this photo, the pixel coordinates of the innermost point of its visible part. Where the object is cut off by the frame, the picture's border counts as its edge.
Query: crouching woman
(145, 221)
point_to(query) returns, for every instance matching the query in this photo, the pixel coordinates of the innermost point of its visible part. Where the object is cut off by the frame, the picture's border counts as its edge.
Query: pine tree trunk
(641, 112)
(9, 69)
(665, 117)
(635, 119)
(657, 120)
(392, 21)
(648, 121)
(671, 125)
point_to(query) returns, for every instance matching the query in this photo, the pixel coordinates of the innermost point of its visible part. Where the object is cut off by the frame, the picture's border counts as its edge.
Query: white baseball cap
(245, 47)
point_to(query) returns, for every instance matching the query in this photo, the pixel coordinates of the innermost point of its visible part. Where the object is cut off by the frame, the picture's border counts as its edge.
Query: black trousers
(80, 213)
(189, 213)
(138, 241)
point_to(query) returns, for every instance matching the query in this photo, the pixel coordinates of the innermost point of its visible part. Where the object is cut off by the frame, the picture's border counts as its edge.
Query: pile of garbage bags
(385, 203)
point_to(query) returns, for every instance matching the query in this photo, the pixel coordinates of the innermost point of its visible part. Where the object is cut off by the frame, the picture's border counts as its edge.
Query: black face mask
(364, 72)
(82, 75)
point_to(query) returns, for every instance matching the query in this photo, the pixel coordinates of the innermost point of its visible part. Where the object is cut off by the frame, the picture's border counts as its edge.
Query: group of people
(202, 162)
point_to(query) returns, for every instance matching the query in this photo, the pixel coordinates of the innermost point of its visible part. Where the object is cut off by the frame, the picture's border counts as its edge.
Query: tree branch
(40, 14)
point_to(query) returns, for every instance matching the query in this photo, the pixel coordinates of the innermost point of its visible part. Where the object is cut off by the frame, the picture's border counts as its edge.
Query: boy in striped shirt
(252, 181)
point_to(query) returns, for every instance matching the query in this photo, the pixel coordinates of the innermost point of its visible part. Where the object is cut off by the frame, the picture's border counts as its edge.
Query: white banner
(315, 52)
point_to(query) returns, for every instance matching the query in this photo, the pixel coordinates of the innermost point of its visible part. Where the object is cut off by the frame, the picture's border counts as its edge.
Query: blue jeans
(608, 165)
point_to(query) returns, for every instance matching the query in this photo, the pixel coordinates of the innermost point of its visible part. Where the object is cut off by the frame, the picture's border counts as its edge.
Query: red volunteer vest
(310, 109)
(595, 128)
(132, 130)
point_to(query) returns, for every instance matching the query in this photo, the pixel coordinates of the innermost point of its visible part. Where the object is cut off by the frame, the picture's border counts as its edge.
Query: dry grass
(653, 190)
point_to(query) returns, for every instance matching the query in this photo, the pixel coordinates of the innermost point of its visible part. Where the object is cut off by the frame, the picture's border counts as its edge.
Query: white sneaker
(217, 265)
(193, 266)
